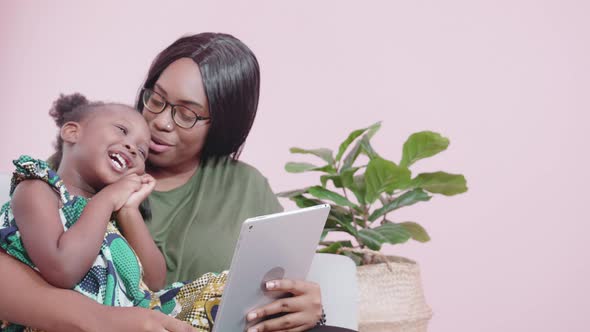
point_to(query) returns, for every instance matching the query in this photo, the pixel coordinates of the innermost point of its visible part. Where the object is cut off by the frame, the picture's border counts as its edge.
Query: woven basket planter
(392, 300)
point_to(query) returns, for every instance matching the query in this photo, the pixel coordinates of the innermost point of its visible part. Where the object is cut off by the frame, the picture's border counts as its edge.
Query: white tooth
(121, 160)
(116, 164)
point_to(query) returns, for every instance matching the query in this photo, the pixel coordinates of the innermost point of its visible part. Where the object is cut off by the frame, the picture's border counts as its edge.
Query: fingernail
(253, 329)
(270, 284)
(252, 315)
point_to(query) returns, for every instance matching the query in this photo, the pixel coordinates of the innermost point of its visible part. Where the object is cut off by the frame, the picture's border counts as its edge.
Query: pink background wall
(506, 81)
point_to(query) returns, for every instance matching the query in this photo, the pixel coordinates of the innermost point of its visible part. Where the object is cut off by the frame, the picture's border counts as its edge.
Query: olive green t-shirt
(196, 226)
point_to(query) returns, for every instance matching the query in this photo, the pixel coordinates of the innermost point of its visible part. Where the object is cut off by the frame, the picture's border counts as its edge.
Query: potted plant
(364, 192)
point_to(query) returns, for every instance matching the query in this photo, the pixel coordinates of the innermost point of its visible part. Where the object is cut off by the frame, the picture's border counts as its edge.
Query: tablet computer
(270, 247)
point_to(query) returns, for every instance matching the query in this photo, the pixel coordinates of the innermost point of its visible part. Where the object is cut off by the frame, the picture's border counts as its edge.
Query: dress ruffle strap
(28, 168)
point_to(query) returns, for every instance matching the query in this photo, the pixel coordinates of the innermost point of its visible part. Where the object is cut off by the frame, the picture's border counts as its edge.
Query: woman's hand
(302, 311)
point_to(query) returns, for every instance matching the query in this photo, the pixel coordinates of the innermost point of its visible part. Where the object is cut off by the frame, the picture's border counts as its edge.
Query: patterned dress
(115, 278)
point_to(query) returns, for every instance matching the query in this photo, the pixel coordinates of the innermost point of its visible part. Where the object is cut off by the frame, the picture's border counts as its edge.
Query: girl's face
(174, 147)
(110, 143)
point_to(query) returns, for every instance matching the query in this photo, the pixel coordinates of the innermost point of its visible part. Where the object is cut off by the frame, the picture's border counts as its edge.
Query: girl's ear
(70, 132)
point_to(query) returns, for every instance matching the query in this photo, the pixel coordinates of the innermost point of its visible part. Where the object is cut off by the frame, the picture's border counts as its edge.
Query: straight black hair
(231, 78)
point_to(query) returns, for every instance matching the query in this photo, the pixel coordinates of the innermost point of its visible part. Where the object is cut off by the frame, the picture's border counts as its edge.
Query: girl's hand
(148, 183)
(303, 310)
(120, 191)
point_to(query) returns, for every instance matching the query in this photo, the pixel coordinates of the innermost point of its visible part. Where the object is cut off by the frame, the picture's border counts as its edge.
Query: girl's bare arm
(137, 234)
(62, 257)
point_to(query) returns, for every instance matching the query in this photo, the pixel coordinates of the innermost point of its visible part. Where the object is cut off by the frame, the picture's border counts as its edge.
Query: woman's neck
(172, 177)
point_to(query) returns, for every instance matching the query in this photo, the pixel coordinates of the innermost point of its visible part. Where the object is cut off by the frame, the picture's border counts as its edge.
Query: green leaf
(372, 239)
(354, 183)
(337, 216)
(441, 183)
(360, 222)
(331, 249)
(351, 156)
(336, 180)
(368, 148)
(422, 145)
(293, 167)
(394, 233)
(418, 232)
(384, 175)
(339, 209)
(292, 193)
(304, 202)
(372, 129)
(361, 188)
(330, 224)
(344, 220)
(325, 154)
(347, 177)
(354, 135)
(408, 198)
(323, 193)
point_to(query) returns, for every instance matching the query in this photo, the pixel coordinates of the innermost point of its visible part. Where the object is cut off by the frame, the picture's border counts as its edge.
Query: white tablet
(270, 247)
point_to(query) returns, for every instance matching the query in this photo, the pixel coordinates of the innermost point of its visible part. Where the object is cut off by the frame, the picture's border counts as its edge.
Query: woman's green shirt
(196, 225)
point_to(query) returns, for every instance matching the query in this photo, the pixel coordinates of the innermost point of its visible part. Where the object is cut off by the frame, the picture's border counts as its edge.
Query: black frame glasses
(147, 94)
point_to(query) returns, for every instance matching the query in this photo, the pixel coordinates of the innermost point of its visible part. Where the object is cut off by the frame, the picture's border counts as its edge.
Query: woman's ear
(70, 132)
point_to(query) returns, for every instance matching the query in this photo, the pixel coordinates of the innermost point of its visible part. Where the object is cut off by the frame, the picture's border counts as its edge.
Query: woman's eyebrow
(162, 90)
(183, 101)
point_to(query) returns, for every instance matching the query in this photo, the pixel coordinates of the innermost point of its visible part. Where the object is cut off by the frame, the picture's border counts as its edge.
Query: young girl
(57, 221)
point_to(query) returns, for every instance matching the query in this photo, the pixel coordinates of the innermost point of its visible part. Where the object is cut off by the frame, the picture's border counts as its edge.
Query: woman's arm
(62, 257)
(135, 231)
(28, 300)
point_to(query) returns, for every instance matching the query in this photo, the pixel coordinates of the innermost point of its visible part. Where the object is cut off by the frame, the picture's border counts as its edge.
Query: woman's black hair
(68, 108)
(231, 78)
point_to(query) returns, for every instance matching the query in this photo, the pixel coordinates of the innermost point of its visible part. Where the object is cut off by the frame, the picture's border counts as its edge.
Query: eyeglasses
(183, 116)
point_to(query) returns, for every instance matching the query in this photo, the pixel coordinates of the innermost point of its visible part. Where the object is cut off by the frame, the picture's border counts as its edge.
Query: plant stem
(349, 208)
(369, 255)
(356, 227)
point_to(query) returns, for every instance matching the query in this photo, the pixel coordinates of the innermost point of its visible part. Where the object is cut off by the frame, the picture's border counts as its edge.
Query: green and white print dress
(115, 278)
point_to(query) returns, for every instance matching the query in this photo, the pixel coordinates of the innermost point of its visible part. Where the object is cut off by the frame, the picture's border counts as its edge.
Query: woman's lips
(158, 146)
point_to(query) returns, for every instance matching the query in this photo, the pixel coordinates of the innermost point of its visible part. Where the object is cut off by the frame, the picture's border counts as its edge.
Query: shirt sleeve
(272, 202)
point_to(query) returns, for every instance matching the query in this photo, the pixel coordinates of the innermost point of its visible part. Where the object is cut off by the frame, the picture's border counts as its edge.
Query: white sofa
(4, 187)
(336, 276)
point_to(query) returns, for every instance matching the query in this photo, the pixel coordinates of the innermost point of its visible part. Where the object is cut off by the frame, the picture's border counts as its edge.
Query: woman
(200, 100)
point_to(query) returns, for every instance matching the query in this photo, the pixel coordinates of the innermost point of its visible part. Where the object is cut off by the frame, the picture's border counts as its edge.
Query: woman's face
(172, 146)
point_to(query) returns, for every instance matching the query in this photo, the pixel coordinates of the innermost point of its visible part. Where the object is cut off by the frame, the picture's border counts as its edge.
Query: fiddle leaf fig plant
(364, 195)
